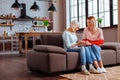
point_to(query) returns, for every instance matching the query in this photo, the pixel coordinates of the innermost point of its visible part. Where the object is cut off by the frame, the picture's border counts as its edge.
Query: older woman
(71, 45)
(93, 38)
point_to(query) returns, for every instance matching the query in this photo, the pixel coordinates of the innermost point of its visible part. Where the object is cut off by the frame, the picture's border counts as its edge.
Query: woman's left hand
(87, 43)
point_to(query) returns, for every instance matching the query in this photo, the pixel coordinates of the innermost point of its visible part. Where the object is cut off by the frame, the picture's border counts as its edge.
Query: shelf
(38, 26)
(7, 18)
(38, 20)
(9, 25)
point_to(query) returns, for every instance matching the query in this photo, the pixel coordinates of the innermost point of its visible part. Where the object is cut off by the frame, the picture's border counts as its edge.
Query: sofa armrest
(49, 49)
(111, 45)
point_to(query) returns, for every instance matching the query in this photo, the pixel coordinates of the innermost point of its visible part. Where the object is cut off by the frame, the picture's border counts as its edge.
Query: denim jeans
(85, 55)
(95, 52)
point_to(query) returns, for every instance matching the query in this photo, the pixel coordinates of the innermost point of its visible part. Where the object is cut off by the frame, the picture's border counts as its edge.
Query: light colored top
(69, 38)
(96, 38)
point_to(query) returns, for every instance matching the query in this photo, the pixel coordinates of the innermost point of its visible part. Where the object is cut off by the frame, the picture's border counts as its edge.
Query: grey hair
(74, 23)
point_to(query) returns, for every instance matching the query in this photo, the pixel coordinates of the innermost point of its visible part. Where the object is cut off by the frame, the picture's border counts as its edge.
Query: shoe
(94, 71)
(99, 70)
(86, 72)
(103, 70)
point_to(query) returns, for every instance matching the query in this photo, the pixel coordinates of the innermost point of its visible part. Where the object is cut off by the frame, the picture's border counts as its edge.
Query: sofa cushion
(49, 49)
(52, 39)
(111, 45)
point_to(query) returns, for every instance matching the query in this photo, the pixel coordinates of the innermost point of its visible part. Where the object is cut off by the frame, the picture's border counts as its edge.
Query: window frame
(86, 12)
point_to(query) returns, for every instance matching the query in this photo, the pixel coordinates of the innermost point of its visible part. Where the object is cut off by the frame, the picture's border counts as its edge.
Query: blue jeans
(95, 52)
(85, 56)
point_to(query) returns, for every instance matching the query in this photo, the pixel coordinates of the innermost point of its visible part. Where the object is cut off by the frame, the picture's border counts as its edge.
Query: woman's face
(91, 23)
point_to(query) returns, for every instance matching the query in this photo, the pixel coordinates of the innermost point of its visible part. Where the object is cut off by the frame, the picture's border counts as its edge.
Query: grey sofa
(50, 56)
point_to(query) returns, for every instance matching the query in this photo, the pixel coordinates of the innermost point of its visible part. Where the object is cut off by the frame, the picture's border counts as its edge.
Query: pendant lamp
(16, 5)
(34, 7)
(52, 8)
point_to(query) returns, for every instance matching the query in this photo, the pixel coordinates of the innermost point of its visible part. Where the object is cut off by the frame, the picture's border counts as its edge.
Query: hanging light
(52, 8)
(34, 7)
(16, 5)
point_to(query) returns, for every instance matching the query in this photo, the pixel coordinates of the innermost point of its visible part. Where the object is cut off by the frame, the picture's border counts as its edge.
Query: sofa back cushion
(54, 39)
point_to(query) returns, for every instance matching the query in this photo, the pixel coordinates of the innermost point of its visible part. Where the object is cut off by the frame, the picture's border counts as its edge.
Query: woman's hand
(73, 45)
(83, 43)
(87, 43)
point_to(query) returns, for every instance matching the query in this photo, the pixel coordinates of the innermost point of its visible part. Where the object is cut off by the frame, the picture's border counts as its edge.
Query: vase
(100, 25)
(46, 29)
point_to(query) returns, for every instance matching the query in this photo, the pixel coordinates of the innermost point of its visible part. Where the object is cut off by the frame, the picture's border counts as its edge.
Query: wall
(59, 17)
(118, 21)
(110, 34)
(5, 8)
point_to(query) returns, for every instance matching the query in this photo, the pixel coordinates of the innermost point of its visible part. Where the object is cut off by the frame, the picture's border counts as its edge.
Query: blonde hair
(92, 19)
(74, 23)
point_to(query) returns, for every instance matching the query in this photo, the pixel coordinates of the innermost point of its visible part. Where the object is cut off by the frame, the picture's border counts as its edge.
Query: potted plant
(46, 22)
(100, 21)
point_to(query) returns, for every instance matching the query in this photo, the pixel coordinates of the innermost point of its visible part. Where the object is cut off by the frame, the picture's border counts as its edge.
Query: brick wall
(5, 8)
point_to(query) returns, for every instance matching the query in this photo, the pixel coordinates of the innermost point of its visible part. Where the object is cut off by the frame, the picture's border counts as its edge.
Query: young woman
(93, 38)
(71, 45)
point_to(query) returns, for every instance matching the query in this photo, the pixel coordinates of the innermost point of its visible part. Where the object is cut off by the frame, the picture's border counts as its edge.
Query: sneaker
(103, 70)
(94, 71)
(86, 72)
(99, 70)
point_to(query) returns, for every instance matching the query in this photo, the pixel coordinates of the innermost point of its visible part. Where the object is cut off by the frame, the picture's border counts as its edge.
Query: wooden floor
(13, 67)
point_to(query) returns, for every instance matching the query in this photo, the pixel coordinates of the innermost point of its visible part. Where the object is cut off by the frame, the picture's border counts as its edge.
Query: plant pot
(46, 28)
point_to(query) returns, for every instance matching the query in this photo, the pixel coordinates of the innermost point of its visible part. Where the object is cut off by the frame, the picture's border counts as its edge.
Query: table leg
(20, 44)
(26, 43)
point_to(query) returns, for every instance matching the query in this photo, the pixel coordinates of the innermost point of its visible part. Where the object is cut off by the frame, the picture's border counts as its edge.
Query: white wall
(5, 8)
(118, 21)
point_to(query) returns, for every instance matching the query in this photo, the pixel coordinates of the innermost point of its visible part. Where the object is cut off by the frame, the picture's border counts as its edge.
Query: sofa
(50, 57)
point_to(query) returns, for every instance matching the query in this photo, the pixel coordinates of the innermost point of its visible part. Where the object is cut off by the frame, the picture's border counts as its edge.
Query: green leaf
(46, 22)
(100, 20)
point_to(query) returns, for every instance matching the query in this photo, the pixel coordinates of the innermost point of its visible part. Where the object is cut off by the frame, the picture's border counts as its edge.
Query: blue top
(69, 38)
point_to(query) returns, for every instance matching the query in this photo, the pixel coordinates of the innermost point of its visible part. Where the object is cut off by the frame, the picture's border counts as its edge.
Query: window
(104, 12)
(73, 9)
(82, 14)
(106, 9)
(115, 12)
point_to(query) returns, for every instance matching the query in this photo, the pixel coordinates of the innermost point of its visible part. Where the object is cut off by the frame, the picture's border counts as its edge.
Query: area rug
(113, 73)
